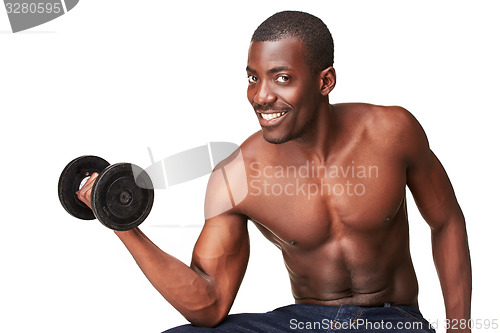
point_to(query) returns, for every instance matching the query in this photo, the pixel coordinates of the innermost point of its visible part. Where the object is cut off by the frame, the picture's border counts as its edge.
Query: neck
(315, 143)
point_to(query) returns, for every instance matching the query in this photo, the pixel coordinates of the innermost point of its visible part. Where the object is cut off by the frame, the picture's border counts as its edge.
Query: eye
(283, 78)
(252, 79)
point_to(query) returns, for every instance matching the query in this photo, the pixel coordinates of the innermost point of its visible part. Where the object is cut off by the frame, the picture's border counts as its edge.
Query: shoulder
(404, 133)
(395, 118)
(391, 128)
(400, 125)
(228, 186)
(378, 117)
(390, 120)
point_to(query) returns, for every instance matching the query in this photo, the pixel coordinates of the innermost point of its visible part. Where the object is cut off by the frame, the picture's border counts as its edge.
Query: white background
(112, 78)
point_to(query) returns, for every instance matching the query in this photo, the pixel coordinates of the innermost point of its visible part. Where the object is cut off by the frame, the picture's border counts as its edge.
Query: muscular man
(327, 185)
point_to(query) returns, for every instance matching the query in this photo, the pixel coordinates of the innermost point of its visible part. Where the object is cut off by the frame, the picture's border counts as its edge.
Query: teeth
(272, 115)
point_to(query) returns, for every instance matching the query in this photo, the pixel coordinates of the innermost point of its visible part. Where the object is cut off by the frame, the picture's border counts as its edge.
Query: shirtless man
(326, 184)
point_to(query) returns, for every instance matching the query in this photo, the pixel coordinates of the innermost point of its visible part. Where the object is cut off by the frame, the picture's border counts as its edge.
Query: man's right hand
(85, 192)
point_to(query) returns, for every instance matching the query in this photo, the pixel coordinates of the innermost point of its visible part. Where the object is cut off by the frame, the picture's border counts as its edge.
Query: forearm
(191, 292)
(452, 260)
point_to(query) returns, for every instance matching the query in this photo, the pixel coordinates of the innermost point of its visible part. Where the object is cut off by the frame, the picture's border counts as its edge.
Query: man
(326, 184)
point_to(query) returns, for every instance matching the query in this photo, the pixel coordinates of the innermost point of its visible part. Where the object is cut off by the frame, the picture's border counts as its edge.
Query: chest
(310, 203)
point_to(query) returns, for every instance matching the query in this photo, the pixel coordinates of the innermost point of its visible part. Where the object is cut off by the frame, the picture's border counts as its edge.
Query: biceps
(221, 253)
(432, 191)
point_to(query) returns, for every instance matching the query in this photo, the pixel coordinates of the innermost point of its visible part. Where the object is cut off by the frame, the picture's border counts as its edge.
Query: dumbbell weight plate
(120, 200)
(70, 181)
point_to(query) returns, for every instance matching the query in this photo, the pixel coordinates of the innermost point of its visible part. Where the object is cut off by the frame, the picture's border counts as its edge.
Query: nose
(264, 95)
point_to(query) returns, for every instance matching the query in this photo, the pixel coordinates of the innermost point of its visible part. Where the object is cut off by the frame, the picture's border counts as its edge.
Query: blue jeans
(323, 318)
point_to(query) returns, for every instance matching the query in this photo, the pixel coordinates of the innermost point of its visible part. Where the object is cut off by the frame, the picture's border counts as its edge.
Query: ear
(328, 80)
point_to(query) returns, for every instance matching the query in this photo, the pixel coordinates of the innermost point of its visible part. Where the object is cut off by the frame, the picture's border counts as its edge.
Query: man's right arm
(204, 291)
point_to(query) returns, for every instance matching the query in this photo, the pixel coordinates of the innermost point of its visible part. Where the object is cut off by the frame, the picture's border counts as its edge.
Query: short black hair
(308, 28)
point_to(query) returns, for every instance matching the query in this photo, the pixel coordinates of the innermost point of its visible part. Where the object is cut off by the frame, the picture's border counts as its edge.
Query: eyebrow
(251, 70)
(271, 71)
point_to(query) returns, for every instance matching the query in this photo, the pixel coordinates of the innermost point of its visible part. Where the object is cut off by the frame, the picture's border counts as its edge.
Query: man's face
(281, 89)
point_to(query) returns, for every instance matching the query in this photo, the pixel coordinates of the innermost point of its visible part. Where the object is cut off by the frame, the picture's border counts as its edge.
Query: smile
(271, 119)
(270, 116)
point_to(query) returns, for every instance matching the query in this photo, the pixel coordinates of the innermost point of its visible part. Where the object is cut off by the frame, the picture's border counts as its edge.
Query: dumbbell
(121, 198)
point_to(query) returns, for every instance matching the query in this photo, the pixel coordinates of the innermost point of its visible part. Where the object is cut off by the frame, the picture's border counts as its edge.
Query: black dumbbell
(122, 195)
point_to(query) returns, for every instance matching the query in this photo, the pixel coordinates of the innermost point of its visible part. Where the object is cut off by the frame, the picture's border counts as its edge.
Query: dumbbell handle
(85, 191)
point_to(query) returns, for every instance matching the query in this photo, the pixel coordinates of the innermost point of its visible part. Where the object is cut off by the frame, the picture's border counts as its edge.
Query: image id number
(33, 8)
